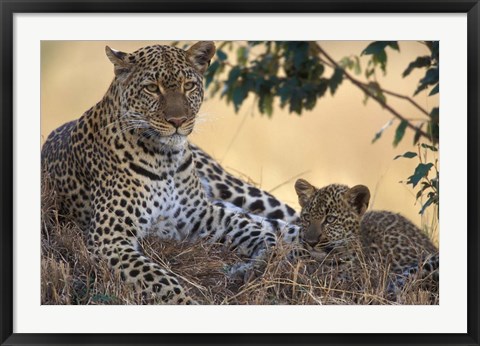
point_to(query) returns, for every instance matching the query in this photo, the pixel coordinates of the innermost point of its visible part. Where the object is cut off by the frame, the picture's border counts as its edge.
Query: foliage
(289, 71)
(298, 73)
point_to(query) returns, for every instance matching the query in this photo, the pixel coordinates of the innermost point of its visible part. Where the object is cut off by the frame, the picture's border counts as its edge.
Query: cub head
(160, 88)
(330, 218)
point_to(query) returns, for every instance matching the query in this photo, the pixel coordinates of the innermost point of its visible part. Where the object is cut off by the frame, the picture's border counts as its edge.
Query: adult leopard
(125, 169)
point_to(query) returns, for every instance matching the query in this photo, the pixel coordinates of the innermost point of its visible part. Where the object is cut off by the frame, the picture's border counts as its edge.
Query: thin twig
(288, 181)
(407, 98)
(388, 92)
(234, 138)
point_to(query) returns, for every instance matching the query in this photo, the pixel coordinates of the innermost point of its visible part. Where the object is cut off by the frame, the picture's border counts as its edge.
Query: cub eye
(152, 88)
(306, 217)
(330, 219)
(188, 86)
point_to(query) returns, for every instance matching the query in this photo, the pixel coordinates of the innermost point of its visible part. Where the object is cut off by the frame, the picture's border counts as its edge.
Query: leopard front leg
(218, 225)
(289, 232)
(113, 236)
(237, 231)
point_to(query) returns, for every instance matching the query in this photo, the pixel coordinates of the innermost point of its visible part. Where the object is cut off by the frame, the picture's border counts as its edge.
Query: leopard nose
(177, 122)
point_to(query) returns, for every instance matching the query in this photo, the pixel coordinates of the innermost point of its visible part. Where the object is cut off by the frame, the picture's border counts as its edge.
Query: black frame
(9, 7)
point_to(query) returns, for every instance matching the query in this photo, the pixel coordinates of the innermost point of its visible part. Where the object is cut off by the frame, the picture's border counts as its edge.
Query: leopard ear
(200, 54)
(119, 61)
(305, 191)
(359, 197)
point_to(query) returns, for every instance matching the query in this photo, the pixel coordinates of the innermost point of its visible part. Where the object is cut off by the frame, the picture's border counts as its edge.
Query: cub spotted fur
(336, 227)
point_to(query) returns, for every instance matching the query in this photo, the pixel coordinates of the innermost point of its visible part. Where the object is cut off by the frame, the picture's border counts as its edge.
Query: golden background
(331, 144)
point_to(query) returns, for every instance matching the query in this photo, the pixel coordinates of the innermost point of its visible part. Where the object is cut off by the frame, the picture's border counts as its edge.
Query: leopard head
(158, 90)
(330, 219)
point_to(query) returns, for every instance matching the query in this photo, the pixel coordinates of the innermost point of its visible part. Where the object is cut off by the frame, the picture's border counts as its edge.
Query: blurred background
(330, 144)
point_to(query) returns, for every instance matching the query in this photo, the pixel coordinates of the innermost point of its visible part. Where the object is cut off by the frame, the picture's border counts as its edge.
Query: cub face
(330, 218)
(160, 88)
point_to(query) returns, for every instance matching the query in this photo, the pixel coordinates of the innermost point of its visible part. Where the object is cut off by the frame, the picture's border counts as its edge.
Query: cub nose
(177, 122)
(313, 234)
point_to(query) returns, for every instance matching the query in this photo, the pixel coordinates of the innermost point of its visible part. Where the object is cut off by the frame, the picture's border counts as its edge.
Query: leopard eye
(188, 86)
(330, 219)
(152, 88)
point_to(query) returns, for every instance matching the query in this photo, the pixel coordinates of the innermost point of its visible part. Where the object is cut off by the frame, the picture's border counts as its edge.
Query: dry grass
(71, 276)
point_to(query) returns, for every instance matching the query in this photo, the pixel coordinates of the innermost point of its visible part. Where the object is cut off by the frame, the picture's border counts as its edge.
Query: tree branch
(365, 89)
(407, 98)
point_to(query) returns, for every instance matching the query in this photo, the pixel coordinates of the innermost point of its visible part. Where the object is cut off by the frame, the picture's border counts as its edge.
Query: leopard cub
(337, 228)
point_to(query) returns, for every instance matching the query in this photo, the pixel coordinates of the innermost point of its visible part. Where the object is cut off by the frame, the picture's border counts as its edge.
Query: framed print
(250, 173)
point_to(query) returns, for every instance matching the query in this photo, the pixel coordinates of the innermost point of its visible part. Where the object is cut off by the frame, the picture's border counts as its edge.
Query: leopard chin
(175, 140)
(171, 138)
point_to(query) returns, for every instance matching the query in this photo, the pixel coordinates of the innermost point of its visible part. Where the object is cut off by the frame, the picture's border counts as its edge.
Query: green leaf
(400, 132)
(376, 91)
(233, 75)
(380, 132)
(296, 101)
(211, 73)
(321, 87)
(255, 43)
(369, 72)
(221, 55)
(434, 114)
(417, 135)
(240, 93)
(420, 172)
(357, 68)
(430, 78)
(242, 55)
(420, 192)
(381, 58)
(435, 182)
(310, 97)
(376, 47)
(429, 202)
(318, 70)
(435, 90)
(310, 102)
(408, 155)
(346, 62)
(434, 48)
(335, 80)
(433, 128)
(300, 54)
(284, 91)
(426, 146)
(421, 61)
(266, 104)
(394, 45)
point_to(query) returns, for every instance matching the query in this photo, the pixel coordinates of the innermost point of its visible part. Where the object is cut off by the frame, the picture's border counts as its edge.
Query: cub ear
(359, 197)
(200, 54)
(119, 61)
(304, 190)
